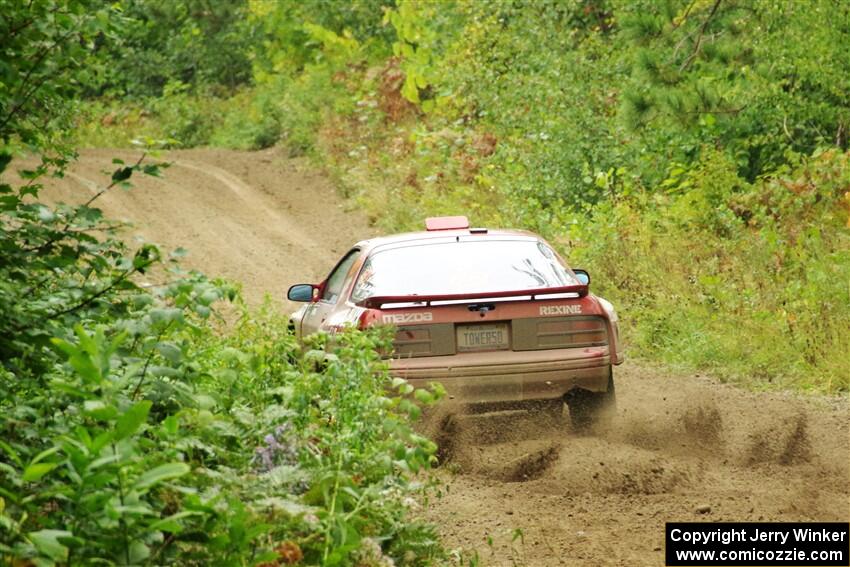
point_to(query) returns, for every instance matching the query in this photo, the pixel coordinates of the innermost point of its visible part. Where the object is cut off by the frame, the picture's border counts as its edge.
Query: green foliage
(60, 265)
(139, 427)
(48, 54)
(177, 119)
(203, 45)
(748, 281)
(281, 106)
(758, 79)
(417, 31)
(252, 121)
(134, 433)
(288, 44)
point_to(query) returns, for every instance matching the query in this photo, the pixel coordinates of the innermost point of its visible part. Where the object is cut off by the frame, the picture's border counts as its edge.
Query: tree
(755, 78)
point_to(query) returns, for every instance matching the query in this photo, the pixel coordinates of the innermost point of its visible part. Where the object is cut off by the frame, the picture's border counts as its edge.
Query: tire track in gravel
(683, 448)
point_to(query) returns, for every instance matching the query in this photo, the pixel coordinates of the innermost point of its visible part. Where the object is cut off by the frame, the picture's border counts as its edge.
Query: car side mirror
(301, 292)
(582, 276)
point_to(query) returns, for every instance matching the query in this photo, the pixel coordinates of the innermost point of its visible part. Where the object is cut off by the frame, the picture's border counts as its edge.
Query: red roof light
(446, 223)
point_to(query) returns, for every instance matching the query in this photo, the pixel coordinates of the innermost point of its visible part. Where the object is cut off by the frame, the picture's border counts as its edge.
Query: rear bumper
(509, 376)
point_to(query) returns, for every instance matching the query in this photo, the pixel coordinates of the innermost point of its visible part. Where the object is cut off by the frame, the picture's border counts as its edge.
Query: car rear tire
(591, 409)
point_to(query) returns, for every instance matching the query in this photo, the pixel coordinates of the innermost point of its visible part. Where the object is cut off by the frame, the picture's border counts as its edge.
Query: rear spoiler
(378, 301)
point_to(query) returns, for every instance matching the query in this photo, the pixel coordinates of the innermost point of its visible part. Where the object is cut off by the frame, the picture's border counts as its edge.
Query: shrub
(134, 431)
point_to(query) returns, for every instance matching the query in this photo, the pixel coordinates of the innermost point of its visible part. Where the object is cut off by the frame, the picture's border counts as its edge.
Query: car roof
(436, 236)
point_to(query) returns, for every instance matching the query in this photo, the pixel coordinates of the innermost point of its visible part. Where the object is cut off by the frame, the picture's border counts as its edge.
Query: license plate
(482, 337)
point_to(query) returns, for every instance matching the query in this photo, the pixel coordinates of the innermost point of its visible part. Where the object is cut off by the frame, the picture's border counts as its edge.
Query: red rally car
(495, 316)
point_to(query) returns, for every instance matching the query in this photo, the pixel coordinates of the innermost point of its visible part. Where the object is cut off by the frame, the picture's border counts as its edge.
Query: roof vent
(446, 223)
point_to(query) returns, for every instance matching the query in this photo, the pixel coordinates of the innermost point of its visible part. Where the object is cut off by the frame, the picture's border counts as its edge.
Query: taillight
(412, 341)
(559, 332)
(368, 318)
(434, 339)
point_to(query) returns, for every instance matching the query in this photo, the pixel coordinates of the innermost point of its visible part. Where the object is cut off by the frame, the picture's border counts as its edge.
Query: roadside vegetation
(138, 424)
(693, 155)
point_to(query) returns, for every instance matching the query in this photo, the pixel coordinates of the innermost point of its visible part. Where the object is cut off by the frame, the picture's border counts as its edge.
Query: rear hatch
(476, 292)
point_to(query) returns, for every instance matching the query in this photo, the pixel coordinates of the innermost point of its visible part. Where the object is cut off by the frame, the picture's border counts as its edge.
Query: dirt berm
(520, 492)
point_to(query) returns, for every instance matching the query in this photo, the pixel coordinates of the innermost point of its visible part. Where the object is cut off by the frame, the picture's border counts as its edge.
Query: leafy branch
(119, 176)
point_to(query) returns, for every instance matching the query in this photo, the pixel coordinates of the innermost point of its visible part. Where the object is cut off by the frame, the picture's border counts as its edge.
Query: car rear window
(481, 266)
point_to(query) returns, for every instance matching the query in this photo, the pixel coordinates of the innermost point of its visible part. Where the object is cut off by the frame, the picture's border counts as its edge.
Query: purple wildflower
(279, 448)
